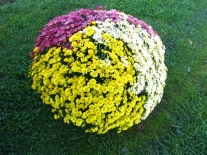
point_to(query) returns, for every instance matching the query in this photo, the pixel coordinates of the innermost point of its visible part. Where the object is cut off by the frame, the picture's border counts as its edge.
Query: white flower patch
(124, 61)
(107, 62)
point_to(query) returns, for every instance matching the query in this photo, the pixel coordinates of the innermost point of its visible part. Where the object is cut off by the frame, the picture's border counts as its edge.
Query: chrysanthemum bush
(99, 69)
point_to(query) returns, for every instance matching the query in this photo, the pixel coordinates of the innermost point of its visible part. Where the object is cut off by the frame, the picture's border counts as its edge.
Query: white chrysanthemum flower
(107, 62)
(124, 61)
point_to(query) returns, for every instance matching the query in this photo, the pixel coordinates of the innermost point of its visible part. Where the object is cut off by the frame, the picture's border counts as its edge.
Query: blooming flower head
(99, 69)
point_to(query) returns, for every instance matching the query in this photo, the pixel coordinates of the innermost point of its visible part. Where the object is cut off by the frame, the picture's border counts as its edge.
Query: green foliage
(177, 125)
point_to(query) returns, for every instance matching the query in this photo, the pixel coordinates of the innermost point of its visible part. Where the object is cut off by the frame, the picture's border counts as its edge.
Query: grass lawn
(177, 126)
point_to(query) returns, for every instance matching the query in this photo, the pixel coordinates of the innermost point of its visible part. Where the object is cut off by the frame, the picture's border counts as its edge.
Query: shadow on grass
(2, 2)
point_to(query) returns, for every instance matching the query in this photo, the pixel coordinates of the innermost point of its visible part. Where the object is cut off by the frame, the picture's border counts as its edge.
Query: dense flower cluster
(99, 69)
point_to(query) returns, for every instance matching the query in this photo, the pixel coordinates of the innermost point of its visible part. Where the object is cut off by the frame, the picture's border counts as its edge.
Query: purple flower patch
(59, 29)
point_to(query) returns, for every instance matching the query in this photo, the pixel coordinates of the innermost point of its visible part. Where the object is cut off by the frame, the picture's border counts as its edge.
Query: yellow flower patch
(87, 85)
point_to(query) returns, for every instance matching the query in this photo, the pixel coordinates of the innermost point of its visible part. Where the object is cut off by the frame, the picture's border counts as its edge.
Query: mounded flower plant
(99, 69)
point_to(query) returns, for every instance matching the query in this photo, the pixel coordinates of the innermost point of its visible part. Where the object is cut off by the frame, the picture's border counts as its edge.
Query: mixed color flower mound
(99, 69)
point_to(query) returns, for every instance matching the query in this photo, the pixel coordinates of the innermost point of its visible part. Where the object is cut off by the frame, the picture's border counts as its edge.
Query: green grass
(177, 126)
